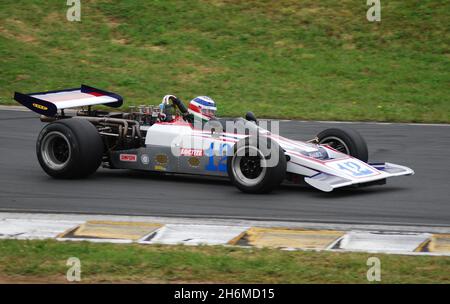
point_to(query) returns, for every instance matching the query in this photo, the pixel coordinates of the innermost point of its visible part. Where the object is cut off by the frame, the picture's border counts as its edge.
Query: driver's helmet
(203, 107)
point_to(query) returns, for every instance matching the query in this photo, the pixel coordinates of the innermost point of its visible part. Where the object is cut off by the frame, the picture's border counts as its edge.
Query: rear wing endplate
(48, 103)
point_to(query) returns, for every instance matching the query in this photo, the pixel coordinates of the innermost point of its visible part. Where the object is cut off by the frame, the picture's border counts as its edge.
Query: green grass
(304, 59)
(46, 261)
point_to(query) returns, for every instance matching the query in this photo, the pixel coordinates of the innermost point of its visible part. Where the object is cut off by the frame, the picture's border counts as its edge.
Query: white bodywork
(72, 99)
(338, 170)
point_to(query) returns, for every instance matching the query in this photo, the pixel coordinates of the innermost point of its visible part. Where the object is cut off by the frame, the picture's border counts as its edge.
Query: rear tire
(345, 140)
(69, 148)
(247, 173)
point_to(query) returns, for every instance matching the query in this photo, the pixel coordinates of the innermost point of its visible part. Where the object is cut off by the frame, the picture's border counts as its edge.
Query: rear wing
(48, 103)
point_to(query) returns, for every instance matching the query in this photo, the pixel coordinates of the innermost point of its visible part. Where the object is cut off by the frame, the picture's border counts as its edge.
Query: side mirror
(251, 117)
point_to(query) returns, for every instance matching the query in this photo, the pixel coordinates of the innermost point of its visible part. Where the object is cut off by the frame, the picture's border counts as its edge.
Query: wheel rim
(248, 170)
(336, 143)
(55, 150)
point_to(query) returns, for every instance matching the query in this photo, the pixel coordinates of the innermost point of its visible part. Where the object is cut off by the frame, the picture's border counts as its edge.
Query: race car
(165, 139)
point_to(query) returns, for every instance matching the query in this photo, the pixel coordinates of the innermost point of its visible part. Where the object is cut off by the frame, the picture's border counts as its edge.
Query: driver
(201, 108)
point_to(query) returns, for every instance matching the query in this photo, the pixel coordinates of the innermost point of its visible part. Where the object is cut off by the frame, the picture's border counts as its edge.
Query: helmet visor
(208, 112)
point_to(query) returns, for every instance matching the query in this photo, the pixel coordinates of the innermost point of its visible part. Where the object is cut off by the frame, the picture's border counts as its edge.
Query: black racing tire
(260, 180)
(345, 140)
(69, 148)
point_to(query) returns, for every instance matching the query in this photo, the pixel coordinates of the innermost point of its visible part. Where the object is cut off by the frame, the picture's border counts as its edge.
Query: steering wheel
(177, 103)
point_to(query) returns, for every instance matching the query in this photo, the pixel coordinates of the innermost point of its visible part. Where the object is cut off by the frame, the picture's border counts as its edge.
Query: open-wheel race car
(166, 139)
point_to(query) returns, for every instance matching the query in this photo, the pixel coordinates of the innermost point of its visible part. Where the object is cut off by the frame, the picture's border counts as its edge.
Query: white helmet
(203, 107)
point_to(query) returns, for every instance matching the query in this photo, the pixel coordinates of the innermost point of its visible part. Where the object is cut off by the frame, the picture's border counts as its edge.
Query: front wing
(328, 182)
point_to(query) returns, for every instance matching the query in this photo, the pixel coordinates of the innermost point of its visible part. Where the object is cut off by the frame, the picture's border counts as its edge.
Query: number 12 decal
(355, 169)
(222, 162)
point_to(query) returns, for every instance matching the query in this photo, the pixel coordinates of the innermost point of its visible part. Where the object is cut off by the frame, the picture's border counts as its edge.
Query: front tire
(69, 148)
(249, 171)
(344, 140)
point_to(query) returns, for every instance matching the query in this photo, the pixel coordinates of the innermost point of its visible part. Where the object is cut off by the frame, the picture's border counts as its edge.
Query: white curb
(384, 239)
(34, 229)
(375, 241)
(195, 234)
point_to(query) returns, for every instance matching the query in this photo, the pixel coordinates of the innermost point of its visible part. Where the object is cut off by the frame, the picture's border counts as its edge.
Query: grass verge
(45, 261)
(319, 60)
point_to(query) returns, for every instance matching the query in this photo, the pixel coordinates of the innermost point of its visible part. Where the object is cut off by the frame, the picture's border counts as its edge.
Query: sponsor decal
(194, 162)
(145, 159)
(161, 159)
(191, 152)
(160, 168)
(128, 157)
(40, 107)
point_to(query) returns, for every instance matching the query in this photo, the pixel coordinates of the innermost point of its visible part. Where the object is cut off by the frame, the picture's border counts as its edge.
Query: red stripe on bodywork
(96, 94)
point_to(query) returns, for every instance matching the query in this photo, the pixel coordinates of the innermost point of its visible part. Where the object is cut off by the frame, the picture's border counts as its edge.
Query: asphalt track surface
(422, 199)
